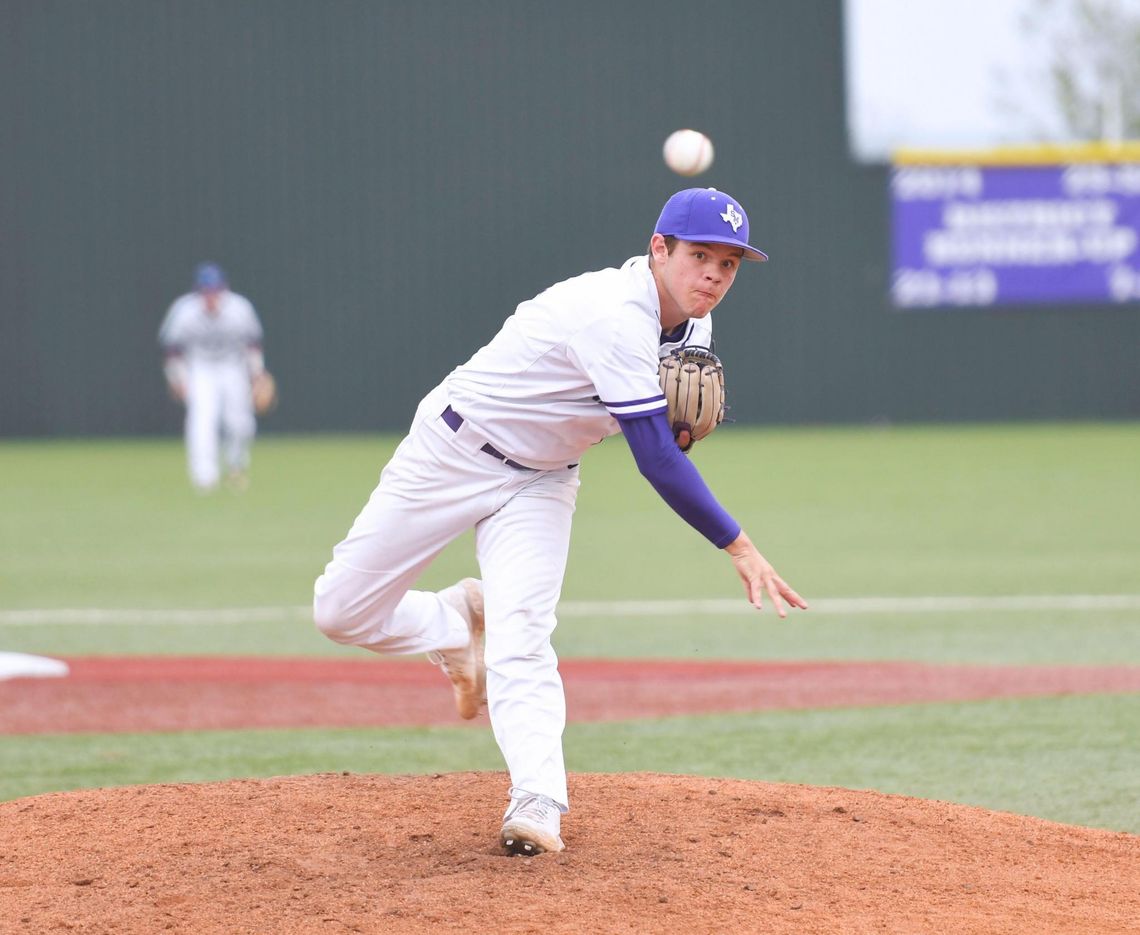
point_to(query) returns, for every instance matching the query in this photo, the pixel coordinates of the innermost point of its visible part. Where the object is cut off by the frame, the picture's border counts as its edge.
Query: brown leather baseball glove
(264, 393)
(692, 379)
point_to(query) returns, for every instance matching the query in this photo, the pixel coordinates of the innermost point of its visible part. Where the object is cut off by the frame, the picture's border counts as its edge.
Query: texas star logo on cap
(733, 217)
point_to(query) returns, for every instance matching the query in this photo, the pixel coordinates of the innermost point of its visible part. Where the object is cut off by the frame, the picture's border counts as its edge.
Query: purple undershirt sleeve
(675, 478)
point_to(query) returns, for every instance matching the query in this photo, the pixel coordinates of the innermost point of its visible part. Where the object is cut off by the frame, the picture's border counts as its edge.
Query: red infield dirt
(646, 853)
(133, 693)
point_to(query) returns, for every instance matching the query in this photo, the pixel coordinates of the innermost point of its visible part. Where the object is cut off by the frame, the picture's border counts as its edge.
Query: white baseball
(688, 152)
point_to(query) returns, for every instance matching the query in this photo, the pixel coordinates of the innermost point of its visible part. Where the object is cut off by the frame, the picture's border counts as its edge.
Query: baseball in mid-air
(688, 152)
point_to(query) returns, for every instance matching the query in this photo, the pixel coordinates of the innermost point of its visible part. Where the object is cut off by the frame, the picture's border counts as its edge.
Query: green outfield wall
(387, 180)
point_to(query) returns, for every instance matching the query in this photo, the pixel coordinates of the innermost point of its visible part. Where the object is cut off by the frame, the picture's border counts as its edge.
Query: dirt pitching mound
(646, 853)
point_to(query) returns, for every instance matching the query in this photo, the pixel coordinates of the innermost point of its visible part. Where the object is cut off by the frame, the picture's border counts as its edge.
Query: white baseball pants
(437, 486)
(219, 407)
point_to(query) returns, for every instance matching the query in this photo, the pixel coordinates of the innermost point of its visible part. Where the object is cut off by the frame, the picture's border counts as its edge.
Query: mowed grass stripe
(1037, 756)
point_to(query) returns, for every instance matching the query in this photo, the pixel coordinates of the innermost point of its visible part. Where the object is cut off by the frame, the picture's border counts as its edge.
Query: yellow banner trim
(1038, 154)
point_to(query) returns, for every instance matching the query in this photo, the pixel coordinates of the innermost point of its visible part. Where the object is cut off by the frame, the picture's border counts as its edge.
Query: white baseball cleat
(531, 826)
(465, 666)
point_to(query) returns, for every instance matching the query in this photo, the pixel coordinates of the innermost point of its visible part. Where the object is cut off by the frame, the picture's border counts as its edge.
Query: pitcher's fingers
(755, 591)
(774, 593)
(793, 599)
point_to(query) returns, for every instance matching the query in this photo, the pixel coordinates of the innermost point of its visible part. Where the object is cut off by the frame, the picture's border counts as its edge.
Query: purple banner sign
(983, 236)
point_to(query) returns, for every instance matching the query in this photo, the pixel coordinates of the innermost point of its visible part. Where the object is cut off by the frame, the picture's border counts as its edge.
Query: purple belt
(454, 420)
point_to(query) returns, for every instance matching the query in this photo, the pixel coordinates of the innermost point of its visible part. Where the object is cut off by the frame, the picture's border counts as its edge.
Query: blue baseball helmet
(209, 277)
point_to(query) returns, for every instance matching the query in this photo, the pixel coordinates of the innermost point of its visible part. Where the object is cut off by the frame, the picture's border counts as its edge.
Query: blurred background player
(211, 341)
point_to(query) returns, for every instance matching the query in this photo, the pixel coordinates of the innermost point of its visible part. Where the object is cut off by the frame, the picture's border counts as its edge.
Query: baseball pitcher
(496, 447)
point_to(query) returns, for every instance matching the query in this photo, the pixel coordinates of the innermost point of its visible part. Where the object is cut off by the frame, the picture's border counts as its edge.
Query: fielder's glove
(692, 379)
(264, 393)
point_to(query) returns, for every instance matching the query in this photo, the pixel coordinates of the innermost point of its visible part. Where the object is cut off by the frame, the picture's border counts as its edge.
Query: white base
(22, 665)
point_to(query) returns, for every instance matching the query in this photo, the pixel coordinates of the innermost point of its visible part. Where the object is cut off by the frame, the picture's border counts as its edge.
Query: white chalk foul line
(845, 606)
(137, 616)
(857, 605)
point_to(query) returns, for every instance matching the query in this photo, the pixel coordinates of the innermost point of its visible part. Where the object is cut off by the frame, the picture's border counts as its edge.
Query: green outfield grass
(842, 512)
(1026, 509)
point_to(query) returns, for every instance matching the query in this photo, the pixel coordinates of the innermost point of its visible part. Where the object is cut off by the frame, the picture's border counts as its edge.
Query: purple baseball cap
(704, 215)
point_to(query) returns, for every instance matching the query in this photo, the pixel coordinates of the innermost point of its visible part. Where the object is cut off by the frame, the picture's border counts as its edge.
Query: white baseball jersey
(560, 375)
(568, 364)
(224, 337)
